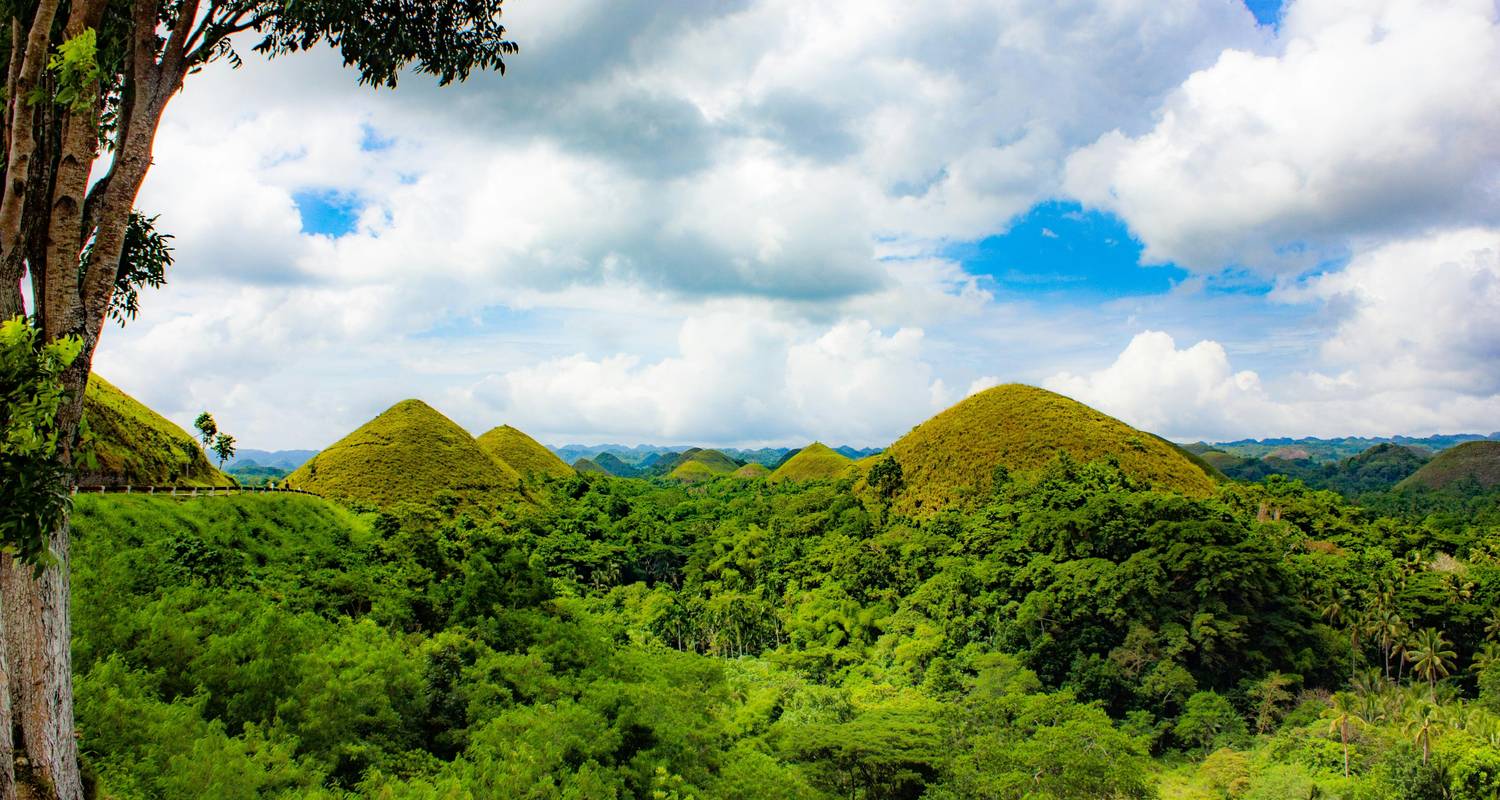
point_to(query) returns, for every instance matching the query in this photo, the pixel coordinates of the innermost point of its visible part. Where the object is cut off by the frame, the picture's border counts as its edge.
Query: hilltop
(754, 469)
(134, 445)
(1332, 450)
(588, 466)
(1478, 462)
(697, 464)
(954, 454)
(611, 463)
(410, 452)
(816, 461)
(522, 453)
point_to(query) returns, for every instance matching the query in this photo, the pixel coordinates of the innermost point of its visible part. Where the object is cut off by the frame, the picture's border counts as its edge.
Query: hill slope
(954, 454)
(1479, 461)
(137, 446)
(754, 469)
(697, 464)
(408, 453)
(816, 461)
(524, 454)
(587, 466)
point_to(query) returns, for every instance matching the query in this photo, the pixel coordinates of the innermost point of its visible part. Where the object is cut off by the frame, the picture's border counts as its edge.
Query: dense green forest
(1071, 634)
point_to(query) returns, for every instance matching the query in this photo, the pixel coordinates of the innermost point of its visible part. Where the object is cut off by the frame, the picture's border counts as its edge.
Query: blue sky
(767, 222)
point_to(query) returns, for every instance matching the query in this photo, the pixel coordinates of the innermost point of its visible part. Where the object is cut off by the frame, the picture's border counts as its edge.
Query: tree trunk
(7, 750)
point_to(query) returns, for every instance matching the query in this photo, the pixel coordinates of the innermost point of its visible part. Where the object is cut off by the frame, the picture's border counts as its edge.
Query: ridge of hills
(953, 455)
(644, 456)
(1332, 449)
(409, 452)
(1377, 468)
(697, 464)
(1477, 461)
(134, 445)
(816, 461)
(588, 466)
(754, 469)
(522, 453)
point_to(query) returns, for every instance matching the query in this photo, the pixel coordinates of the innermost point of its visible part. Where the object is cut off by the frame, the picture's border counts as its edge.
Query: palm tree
(1492, 628)
(1431, 658)
(1385, 625)
(1422, 726)
(1347, 714)
(1486, 657)
(1338, 612)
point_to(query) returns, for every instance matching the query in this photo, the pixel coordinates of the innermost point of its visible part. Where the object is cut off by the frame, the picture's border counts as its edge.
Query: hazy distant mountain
(1323, 450)
(645, 456)
(280, 459)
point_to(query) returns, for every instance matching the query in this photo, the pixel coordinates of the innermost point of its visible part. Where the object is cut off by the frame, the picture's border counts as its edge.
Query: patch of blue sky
(1267, 12)
(1059, 248)
(485, 321)
(373, 141)
(328, 212)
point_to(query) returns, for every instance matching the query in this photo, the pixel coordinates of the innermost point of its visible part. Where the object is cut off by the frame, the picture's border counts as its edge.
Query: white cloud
(1416, 350)
(1371, 118)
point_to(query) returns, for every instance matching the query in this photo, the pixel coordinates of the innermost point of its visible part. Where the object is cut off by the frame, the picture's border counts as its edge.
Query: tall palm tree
(1486, 657)
(1492, 628)
(1339, 611)
(1422, 726)
(1385, 625)
(1347, 715)
(1431, 657)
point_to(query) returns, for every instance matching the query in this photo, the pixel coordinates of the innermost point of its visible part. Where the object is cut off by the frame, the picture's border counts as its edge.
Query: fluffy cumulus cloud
(730, 222)
(1416, 350)
(734, 378)
(1366, 119)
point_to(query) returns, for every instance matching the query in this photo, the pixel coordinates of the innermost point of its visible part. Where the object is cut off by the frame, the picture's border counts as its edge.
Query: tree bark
(7, 750)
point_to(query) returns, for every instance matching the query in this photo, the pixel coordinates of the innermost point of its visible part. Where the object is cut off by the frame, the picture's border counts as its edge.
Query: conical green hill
(954, 454)
(136, 446)
(752, 470)
(816, 461)
(524, 454)
(408, 453)
(587, 466)
(1479, 461)
(700, 465)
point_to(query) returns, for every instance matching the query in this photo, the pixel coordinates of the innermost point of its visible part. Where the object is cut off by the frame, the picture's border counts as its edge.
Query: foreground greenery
(1072, 635)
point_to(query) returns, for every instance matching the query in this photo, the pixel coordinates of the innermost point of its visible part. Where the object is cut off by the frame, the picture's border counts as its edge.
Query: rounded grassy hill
(408, 453)
(697, 464)
(814, 462)
(953, 455)
(754, 469)
(524, 454)
(136, 446)
(1471, 461)
(588, 466)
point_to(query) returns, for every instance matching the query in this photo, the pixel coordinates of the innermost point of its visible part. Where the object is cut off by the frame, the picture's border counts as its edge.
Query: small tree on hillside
(207, 428)
(223, 448)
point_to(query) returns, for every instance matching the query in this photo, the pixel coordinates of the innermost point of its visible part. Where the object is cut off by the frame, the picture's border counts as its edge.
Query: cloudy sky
(767, 221)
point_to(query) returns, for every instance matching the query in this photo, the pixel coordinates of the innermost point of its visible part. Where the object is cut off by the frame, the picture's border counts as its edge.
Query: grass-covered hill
(408, 453)
(1022, 428)
(697, 464)
(754, 469)
(1377, 469)
(615, 466)
(136, 446)
(1478, 462)
(816, 461)
(524, 454)
(588, 466)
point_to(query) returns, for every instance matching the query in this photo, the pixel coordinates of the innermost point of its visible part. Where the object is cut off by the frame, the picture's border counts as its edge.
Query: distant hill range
(279, 459)
(1327, 450)
(644, 457)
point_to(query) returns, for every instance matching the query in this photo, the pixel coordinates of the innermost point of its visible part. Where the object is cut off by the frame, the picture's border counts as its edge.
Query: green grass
(137, 446)
(754, 469)
(814, 462)
(587, 466)
(524, 454)
(409, 453)
(697, 464)
(1479, 461)
(953, 455)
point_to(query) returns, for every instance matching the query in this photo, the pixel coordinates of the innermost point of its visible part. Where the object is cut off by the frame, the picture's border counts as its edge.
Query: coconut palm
(1348, 713)
(1385, 625)
(1426, 722)
(1431, 657)
(1486, 657)
(1492, 628)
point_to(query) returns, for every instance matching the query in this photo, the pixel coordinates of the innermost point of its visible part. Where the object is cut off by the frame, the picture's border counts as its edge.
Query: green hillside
(524, 454)
(1476, 461)
(137, 446)
(697, 464)
(588, 466)
(816, 461)
(754, 469)
(954, 454)
(615, 466)
(408, 453)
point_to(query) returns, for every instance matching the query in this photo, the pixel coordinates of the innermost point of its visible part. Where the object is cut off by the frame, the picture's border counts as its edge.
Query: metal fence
(189, 491)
